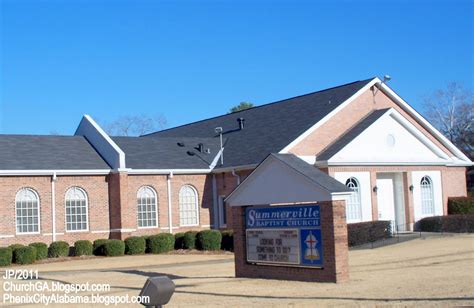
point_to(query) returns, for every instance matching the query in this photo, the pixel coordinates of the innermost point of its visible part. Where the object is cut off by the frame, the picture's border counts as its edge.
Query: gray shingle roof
(165, 153)
(351, 134)
(26, 152)
(312, 173)
(268, 128)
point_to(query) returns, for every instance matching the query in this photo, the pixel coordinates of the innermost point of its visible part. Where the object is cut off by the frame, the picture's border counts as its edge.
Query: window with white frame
(188, 206)
(353, 206)
(27, 211)
(147, 212)
(427, 196)
(76, 210)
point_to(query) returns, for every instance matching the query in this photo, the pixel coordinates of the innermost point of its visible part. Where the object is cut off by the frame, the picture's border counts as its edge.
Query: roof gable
(384, 137)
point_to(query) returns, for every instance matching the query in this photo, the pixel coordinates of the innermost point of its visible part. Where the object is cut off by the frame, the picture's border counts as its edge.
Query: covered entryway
(390, 200)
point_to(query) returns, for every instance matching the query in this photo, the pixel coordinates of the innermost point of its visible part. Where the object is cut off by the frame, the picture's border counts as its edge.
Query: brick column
(335, 250)
(120, 216)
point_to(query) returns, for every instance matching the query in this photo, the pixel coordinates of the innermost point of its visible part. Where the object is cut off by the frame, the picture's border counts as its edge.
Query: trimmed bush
(83, 248)
(6, 256)
(367, 232)
(227, 240)
(25, 255)
(41, 250)
(461, 205)
(98, 247)
(58, 249)
(14, 247)
(114, 248)
(135, 245)
(190, 239)
(451, 223)
(179, 240)
(160, 243)
(209, 240)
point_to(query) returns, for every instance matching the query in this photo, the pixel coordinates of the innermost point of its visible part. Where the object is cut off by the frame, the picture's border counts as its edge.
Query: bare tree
(451, 111)
(135, 125)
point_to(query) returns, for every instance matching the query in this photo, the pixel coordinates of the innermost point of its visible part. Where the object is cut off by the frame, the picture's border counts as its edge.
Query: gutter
(236, 176)
(170, 218)
(53, 204)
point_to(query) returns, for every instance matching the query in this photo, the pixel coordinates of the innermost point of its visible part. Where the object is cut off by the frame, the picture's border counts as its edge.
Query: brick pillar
(119, 207)
(335, 249)
(409, 209)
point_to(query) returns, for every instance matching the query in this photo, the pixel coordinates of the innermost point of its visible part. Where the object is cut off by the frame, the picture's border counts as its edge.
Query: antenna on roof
(219, 131)
(386, 78)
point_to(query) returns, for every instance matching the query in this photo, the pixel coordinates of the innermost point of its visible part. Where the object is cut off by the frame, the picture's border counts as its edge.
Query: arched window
(147, 212)
(353, 206)
(188, 206)
(76, 210)
(27, 211)
(427, 199)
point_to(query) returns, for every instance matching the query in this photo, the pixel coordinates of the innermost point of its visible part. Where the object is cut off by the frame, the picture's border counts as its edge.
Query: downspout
(237, 176)
(170, 218)
(215, 202)
(53, 204)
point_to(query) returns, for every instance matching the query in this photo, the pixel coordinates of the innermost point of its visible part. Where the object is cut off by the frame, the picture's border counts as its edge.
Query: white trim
(101, 231)
(287, 148)
(216, 159)
(206, 226)
(168, 171)
(236, 168)
(170, 211)
(53, 205)
(123, 230)
(326, 163)
(107, 138)
(167, 228)
(6, 236)
(49, 234)
(58, 172)
(445, 141)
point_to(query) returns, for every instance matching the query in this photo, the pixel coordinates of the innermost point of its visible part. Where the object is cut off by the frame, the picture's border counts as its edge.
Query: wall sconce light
(411, 188)
(375, 189)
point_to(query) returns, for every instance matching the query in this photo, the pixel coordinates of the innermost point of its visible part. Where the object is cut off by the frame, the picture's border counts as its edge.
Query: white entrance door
(391, 205)
(385, 198)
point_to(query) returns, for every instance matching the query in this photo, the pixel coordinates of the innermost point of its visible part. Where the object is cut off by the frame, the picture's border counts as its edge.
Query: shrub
(160, 243)
(41, 250)
(25, 255)
(366, 232)
(14, 247)
(190, 239)
(114, 248)
(461, 205)
(6, 256)
(135, 245)
(179, 240)
(98, 247)
(451, 223)
(83, 248)
(209, 240)
(227, 240)
(58, 249)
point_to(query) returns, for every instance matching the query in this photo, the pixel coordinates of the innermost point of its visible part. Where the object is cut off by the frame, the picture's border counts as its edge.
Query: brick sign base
(335, 250)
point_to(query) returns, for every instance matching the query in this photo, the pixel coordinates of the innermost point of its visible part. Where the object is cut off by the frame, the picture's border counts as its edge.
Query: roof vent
(200, 148)
(181, 144)
(241, 122)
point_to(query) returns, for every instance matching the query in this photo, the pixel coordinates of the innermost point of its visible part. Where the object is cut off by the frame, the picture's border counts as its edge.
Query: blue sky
(189, 60)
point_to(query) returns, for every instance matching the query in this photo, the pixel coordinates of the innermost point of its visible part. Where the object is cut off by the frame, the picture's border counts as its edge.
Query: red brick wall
(335, 250)
(96, 188)
(453, 180)
(348, 117)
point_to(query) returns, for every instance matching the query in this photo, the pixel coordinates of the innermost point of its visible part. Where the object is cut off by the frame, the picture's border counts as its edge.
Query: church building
(397, 166)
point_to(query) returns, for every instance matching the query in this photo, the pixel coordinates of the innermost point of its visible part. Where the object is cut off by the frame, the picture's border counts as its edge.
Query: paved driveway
(434, 271)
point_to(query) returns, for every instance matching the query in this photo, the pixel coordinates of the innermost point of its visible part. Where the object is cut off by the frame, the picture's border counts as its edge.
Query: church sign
(284, 235)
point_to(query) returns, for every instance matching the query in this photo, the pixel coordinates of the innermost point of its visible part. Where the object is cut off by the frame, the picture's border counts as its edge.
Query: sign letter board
(284, 235)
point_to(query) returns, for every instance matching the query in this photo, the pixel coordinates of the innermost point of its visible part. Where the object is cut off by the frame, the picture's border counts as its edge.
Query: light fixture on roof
(375, 88)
